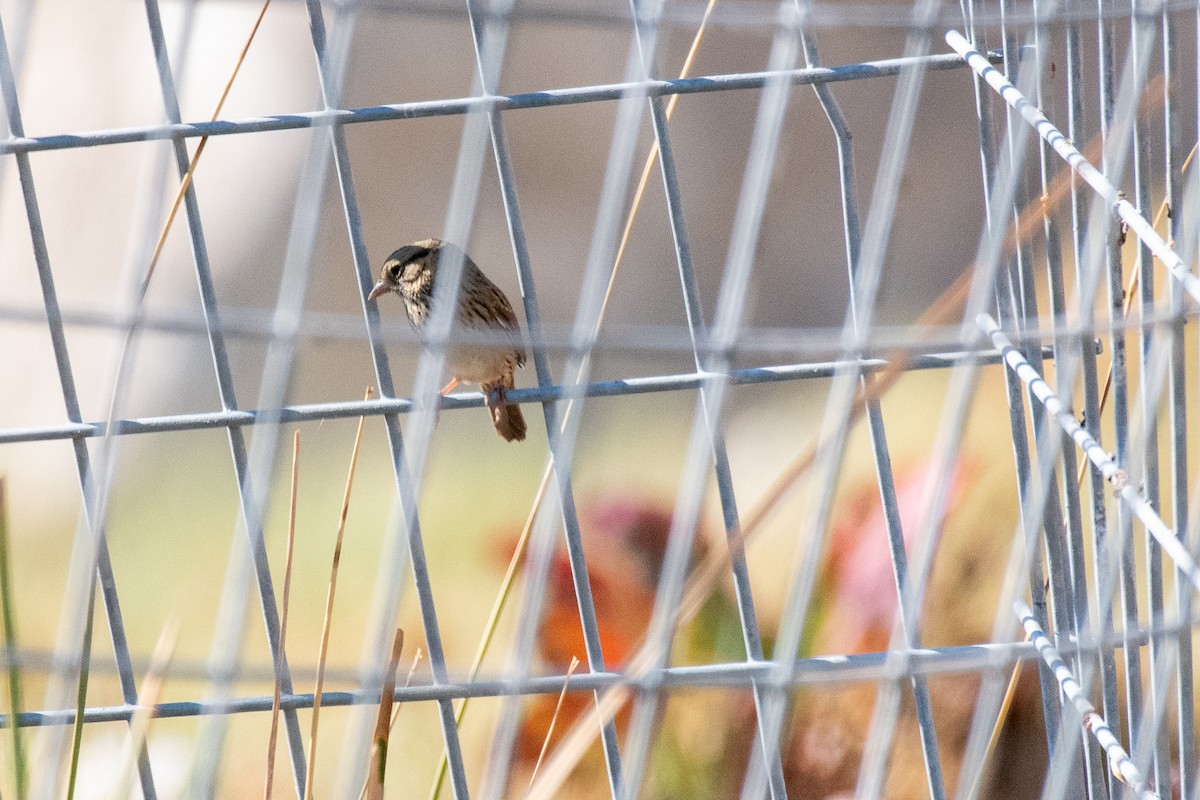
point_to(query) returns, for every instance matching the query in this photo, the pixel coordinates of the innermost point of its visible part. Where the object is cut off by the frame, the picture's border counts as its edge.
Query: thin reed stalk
(283, 616)
(325, 627)
(11, 652)
(377, 766)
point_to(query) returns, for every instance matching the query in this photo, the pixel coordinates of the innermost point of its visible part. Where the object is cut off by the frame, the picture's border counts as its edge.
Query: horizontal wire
(183, 670)
(757, 16)
(464, 105)
(317, 326)
(344, 409)
(813, 671)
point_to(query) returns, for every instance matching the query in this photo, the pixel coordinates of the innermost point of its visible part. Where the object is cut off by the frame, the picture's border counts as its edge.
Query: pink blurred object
(861, 584)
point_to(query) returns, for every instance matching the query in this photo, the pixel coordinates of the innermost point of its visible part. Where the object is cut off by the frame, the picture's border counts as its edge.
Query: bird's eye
(393, 271)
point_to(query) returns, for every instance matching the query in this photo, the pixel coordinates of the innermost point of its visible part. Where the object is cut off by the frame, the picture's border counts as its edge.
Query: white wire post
(1121, 763)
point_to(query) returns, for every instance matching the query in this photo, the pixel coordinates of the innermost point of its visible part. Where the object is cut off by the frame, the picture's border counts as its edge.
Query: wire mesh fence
(897, 468)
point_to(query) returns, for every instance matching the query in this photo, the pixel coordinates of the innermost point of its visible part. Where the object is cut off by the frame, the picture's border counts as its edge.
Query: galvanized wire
(1072, 556)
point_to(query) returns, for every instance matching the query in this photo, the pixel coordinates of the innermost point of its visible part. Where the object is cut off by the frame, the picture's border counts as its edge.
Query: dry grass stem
(333, 573)
(489, 628)
(85, 660)
(191, 170)
(553, 719)
(377, 768)
(396, 708)
(577, 742)
(283, 616)
(998, 728)
(407, 682)
(652, 157)
(148, 695)
(1130, 293)
(1191, 154)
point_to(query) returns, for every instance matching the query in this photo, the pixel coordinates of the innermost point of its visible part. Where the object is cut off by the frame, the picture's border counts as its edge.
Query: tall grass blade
(11, 651)
(377, 767)
(283, 616)
(333, 573)
(148, 696)
(553, 720)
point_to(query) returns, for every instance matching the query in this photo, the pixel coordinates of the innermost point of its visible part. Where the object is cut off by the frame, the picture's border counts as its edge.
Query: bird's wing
(490, 308)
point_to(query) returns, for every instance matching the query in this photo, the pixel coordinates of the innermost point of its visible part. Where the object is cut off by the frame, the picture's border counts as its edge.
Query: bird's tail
(507, 417)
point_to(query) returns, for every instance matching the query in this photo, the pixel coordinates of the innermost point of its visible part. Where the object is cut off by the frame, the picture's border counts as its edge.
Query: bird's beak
(380, 288)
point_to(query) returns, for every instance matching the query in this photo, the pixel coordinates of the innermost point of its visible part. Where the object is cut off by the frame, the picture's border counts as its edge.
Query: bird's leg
(493, 396)
(437, 413)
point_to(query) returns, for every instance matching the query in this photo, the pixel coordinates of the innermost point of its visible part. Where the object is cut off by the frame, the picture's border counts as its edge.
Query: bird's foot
(494, 397)
(437, 409)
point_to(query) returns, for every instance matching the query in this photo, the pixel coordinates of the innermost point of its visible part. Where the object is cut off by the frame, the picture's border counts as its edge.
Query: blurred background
(173, 515)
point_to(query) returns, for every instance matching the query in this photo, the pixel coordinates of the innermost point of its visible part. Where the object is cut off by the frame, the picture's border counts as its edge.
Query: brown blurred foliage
(705, 735)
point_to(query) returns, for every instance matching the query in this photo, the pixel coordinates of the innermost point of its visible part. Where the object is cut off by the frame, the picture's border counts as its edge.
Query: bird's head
(409, 271)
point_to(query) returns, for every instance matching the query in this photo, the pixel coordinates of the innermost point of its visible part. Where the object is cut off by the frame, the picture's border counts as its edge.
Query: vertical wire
(106, 457)
(278, 371)
(1093, 757)
(987, 262)
(1161, 358)
(1032, 509)
(1119, 400)
(569, 409)
(1015, 402)
(722, 337)
(108, 446)
(875, 423)
(562, 476)
(885, 716)
(1177, 402)
(1184, 227)
(1021, 560)
(251, 502)
(886, 712)
(835, 421)
(1091, 263)
(563, 481)
(1195, 773)
(1022, 316)
(1158, 362)
(408, 462)
(1095, 246)
(698, 334)
(1047, 686)
(1144, 268)
(90, 559)
(1103, 625)
(1061, 585)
